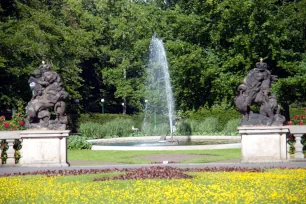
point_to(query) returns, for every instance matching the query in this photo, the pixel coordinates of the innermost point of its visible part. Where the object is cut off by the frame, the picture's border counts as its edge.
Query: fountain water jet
(158, 91)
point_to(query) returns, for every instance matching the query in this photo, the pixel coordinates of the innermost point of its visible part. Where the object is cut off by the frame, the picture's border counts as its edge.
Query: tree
(37, 33)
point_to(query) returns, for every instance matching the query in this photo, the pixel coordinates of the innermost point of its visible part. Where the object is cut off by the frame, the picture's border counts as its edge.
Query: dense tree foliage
(100, 48)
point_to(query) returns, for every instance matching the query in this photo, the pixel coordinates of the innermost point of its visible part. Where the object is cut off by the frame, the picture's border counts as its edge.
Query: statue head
(261, 66)
(44, 67)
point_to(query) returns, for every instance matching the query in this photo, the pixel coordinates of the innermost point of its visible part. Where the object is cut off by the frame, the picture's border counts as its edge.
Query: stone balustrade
(297, 131)
(39, 147)
(10, 137)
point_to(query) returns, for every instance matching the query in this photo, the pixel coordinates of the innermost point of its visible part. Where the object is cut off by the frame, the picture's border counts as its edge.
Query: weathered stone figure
(256, 90)
(48, 94)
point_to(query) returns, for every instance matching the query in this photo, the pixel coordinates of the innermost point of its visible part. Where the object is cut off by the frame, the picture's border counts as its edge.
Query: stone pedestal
(44, 148)
(261, 144)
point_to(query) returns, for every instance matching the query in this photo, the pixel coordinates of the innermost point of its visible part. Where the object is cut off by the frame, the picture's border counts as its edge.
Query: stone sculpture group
(47, 95)
(255, 89)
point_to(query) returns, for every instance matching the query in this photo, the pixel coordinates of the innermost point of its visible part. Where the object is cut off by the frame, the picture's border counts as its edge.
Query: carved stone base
(51, 126)
(256, 119)
(44, 148)
(262, 144)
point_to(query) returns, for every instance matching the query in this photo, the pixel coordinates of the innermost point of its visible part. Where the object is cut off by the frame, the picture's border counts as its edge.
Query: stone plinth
(44, 148)
(261, 144)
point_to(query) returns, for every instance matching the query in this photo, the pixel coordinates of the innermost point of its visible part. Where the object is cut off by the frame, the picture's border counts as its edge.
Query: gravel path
(177, 158)
(91, 163)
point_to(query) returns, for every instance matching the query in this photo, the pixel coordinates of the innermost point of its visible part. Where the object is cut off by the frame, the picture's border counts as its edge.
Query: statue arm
(274, 78)
(42, 82)
(38, 81)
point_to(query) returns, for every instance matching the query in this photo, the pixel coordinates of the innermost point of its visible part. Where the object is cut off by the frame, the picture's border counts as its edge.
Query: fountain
(159, 105)
(159, 96)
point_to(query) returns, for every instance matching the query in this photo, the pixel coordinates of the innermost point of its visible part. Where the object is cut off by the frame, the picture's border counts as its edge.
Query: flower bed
(270, 186)
(16, 123)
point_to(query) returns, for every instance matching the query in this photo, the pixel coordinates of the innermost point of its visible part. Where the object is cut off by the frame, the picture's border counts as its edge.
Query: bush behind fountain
(123, 128)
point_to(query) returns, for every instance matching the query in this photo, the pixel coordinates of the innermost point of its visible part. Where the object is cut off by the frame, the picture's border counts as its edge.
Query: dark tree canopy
(100, 48)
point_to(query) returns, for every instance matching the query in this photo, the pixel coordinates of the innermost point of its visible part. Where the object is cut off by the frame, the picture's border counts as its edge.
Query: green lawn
(128, 157)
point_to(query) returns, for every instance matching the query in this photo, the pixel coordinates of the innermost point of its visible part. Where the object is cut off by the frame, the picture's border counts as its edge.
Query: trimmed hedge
(114, 128)
(215, 121)
(231, 127)
(223, 115)
(104, 118)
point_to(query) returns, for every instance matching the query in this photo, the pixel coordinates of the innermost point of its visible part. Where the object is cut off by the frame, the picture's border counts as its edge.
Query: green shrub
(91, 130)
(223, 115)
(209, 126)
(78, 143)
(296, 111)
(194, 125)
(118, 128)
(16, 123)
(231, 127)
(113, 128)
(183, 128)
(162, 129)
(106, 118)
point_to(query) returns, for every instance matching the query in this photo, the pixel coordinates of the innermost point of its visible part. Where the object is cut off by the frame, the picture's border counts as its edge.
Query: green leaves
(100, 48)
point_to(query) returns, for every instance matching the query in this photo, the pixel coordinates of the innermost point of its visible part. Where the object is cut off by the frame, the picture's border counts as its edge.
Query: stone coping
(157, 138)
(297, 129)
(9, 134)
(252, 127)
(33, 134)
(187, 147)
(262, 129)
(44, 133)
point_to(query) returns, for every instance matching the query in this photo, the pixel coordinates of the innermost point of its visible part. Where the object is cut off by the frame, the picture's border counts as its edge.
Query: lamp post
(122, 108)
(102, 101)
(154, 119)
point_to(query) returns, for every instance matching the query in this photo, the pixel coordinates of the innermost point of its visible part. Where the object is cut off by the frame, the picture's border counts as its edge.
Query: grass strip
(129, 157)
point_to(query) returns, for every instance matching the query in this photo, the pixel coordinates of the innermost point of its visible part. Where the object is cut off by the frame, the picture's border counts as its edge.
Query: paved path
(6, 170)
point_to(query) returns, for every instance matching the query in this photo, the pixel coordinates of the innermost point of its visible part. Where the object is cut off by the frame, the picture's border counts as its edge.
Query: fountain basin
(152, 143)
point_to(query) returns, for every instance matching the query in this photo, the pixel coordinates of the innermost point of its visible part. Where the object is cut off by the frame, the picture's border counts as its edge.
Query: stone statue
(255, 89)
(48, 95)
